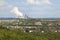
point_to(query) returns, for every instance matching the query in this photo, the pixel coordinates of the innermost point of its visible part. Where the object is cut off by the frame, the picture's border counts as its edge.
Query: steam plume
(17, 12)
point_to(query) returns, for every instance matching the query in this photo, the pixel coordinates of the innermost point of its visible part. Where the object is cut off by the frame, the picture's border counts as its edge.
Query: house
(38, 23)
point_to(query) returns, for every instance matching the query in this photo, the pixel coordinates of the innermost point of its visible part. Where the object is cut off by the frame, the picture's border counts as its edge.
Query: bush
(16, 34)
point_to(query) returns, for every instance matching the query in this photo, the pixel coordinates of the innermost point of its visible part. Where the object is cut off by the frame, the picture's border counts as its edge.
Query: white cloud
(4, 4)
(39, 1)
(1, 2)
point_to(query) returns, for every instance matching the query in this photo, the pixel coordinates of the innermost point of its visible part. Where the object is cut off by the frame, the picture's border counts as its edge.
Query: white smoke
(17, 12)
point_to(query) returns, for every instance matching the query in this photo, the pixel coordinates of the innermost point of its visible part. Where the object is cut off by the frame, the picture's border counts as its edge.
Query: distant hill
(30, 18)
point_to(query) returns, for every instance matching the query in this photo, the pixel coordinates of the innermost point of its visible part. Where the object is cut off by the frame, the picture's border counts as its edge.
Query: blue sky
(32, 8)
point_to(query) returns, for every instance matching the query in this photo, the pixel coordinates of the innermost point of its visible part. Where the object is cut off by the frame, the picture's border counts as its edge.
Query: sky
(31, 8)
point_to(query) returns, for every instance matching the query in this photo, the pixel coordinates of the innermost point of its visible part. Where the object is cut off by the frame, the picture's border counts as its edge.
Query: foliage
(18, 34)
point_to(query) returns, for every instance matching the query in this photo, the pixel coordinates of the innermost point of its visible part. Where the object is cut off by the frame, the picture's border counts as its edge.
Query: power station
(18, 14)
